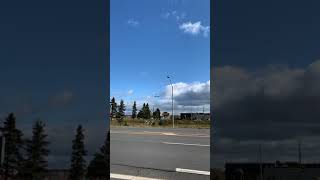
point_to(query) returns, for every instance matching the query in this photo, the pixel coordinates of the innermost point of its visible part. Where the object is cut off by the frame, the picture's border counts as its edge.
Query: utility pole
(3, 143)
(171, 101)
(202, 112)
(299, 149)
(155, 96)
(300, 159)
(2, 154)
(260, 160)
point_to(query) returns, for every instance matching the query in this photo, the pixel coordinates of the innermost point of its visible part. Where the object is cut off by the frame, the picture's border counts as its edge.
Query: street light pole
(171, 101)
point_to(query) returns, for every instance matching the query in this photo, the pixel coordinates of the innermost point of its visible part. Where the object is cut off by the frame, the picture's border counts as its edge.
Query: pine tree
(134, 110)
(156, 114)
(121, 109)
(78, 163)
(13, 156)
(113, 108)
(147, 112)
(141, 113)
(121, 112)
(100, 165)
(36, 153)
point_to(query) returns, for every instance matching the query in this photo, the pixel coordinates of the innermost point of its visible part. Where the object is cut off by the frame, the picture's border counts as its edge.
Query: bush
(160, 123)
(120, 120)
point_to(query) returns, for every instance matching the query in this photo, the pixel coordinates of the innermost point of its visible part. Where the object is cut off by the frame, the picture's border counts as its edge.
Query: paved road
(159, 153)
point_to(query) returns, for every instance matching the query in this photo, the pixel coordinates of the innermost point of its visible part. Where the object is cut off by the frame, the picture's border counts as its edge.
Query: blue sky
(153, 39)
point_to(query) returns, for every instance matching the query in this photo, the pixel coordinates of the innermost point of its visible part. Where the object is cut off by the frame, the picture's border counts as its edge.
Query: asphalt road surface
(159, 153)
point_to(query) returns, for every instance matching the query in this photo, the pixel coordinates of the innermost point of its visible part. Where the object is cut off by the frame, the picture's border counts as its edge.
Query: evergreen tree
(99, 167)
(36, 153)
(78, 163)
(113, 109)
(147, 112)
(121, 109)
(13, 156)
(121, 112)
(156, 114)
(134, 110)
(141, 112)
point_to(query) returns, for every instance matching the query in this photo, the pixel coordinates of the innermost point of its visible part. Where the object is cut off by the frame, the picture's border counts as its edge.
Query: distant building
(127, 116)
(244, 171)
(165, 115)
(195, 116)
(55, 174)
(175, 117)
(272, 171)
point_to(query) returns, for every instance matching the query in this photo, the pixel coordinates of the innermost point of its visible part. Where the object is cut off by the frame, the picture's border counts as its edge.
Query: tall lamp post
(155, 96)
(171, 101)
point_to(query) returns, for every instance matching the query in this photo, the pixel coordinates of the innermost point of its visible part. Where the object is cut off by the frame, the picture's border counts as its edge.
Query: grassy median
(129, 122)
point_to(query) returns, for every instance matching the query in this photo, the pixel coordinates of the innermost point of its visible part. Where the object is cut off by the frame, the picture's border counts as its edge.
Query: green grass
(167, 123)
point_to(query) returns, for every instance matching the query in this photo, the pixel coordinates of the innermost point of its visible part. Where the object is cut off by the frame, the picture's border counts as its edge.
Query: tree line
(28, 158)
(118, 111)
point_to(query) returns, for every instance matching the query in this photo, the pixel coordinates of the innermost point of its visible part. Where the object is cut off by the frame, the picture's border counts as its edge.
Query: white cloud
(166, 15)
(130, 92)
(174, 14)
(187, 27)
(133, 22)
(188, 97)
(193, 97)
(195, 28)
(182, 88)
(181, 16)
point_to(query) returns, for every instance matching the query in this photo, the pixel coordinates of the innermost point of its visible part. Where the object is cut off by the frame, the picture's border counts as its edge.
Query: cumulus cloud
(130, 92)
(192, 94)
(166, 15)
(275, 106)
(187, 97)
(195, 28)
(174, 15)
(133, 22)
(188, 27)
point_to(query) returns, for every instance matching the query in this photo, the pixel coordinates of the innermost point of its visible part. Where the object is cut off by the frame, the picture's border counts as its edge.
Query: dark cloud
(62, 98)
(26, 106)
(275, 106)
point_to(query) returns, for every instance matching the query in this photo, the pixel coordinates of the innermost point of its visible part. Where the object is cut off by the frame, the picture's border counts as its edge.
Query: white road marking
(129, 177)
(161, 134)
(193, 171)
(169, 134)
(184, 144)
